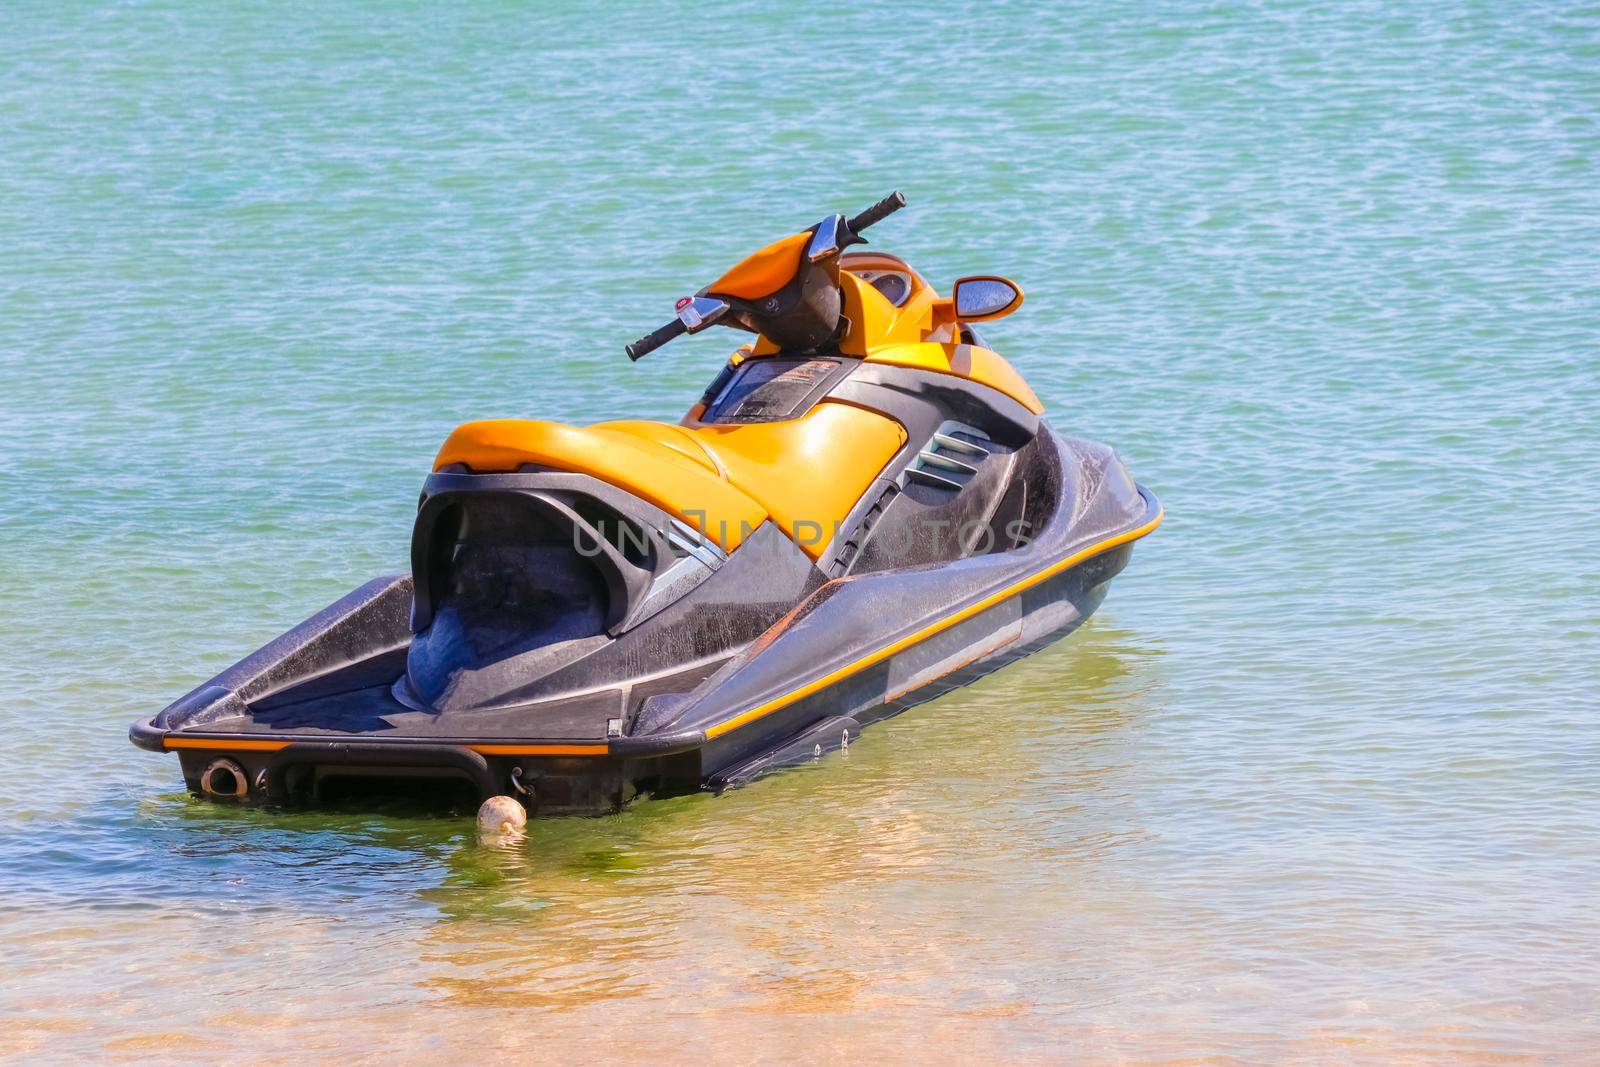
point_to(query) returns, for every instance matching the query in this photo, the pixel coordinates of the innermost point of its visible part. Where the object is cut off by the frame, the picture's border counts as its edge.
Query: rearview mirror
(984, 296)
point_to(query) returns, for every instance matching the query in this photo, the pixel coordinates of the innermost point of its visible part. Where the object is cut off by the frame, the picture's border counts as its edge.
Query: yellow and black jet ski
(864, 510)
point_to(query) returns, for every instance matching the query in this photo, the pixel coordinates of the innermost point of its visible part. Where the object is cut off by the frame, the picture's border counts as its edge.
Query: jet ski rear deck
(846, 525)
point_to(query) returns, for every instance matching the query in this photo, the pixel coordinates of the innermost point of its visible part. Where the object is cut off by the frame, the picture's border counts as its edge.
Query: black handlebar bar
(878, 212)
(874, 214)
(652, 341)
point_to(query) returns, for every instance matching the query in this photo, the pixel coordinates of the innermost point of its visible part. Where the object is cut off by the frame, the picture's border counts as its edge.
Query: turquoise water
(1319, 783)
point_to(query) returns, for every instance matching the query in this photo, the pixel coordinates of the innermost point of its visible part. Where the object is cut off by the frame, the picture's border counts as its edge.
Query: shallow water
(1318, 783)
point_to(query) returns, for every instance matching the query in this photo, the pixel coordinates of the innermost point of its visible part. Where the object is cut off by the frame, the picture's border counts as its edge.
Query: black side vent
(858, 537)
(951, 458)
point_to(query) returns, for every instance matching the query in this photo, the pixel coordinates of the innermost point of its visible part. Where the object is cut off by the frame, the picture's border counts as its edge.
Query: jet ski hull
(789, 699)
(864, 509)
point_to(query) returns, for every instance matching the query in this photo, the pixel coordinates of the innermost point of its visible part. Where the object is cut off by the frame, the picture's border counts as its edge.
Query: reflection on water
(852, 886)
(1317, 784)
(858, 884)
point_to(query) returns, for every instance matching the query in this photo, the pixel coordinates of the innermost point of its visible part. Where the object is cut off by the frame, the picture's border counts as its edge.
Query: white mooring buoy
(502, 816)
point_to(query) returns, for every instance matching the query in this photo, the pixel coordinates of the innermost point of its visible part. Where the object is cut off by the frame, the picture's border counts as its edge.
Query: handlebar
(874, 214)
(654, 340)
(878, 212)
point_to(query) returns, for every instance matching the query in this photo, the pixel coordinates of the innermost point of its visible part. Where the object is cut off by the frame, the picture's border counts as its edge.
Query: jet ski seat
(804, 474)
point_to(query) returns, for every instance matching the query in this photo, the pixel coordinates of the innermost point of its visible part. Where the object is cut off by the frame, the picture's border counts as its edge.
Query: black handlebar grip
(652, 341)
(878, 212)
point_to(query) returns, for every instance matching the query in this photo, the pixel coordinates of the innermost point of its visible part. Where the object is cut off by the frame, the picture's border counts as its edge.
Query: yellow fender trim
(247, 745)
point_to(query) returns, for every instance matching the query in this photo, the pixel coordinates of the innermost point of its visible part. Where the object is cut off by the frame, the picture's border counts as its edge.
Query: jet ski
(865, 509)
